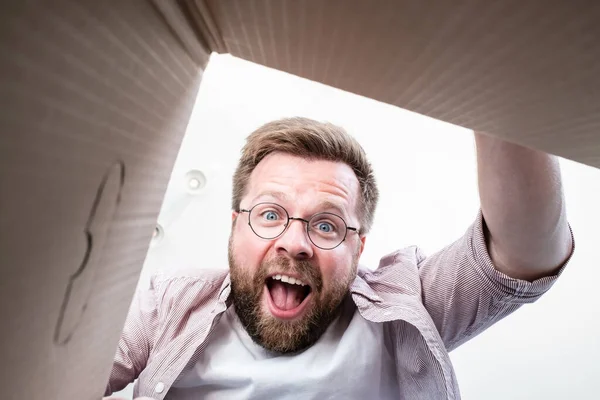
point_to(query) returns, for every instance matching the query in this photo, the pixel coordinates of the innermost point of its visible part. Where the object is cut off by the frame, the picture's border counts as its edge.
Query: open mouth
(287, 296)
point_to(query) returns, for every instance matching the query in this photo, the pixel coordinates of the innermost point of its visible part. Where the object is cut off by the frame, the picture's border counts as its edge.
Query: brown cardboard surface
(95, 101)
(527, 71)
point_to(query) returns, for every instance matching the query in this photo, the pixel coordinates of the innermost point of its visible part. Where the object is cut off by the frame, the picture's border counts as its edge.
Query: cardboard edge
(198, 44)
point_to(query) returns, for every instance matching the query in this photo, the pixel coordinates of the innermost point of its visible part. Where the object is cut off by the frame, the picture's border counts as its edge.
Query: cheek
(335, 268)
(248, 252)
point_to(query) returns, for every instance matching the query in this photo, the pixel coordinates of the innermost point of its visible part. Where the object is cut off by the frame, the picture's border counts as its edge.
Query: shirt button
(159, 387)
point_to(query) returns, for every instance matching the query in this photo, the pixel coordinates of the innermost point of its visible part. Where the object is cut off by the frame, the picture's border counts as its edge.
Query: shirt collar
(362, 288)
(225, 291)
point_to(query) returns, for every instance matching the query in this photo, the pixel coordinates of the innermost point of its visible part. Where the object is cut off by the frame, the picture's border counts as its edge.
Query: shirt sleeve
(136, 341)
(465, 294)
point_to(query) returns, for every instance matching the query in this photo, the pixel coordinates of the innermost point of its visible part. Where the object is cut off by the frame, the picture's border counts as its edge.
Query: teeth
(288, 279)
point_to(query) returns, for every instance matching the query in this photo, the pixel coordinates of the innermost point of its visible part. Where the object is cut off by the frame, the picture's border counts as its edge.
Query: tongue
(286, 296)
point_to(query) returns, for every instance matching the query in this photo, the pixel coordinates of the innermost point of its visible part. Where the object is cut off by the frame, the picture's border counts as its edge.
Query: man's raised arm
(523, 209)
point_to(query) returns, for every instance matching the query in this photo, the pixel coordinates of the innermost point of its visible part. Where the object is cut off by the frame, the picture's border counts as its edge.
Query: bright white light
(158, 234)
(194, 183)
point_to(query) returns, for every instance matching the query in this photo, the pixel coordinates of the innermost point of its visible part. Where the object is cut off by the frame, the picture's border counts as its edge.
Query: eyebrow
(330, 205)
(276, 195)
(324, 205)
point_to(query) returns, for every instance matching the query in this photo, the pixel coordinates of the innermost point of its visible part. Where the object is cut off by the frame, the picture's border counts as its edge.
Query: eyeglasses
(325, 230)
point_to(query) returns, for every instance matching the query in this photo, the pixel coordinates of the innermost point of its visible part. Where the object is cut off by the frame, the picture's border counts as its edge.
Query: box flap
(95, 103)
(524, 71)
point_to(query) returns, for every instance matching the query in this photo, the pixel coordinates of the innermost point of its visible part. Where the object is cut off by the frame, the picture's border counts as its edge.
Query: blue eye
(270, 215)
(325, 227)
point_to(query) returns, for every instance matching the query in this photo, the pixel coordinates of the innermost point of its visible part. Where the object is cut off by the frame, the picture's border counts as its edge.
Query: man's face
(288, 317)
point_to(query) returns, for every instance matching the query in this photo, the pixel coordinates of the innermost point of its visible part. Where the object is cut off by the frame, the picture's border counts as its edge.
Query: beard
(286, 336)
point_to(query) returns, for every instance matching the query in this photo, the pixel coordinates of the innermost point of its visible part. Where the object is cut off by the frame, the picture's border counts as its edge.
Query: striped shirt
(430, 304)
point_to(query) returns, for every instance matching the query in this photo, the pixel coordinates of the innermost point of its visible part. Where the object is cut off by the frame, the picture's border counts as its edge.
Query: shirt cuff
(503, 287)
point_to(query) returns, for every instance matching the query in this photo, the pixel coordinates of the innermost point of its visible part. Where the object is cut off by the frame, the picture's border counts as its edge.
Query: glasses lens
(268, 220)
(326, 230)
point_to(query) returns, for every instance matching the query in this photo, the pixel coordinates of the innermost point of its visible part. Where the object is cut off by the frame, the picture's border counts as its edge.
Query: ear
(363, 239)
(234, 215)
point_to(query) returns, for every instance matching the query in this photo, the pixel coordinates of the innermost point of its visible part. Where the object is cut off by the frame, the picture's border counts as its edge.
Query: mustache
(307, 272)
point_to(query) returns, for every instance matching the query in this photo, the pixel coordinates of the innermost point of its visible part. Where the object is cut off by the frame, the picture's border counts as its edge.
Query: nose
(294, 241)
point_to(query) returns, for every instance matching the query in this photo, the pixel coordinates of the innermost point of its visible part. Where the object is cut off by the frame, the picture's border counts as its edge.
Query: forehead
(304, 182)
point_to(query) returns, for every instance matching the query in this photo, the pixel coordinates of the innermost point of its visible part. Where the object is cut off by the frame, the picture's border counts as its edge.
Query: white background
(426, 172)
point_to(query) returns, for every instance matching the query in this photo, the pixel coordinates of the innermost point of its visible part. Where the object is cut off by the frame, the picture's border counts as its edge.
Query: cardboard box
(95, 102)
(96, 97)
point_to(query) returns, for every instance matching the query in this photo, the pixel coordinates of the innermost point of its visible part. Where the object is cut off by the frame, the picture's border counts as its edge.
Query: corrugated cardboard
(527, 71)
(95, 101)
(96, 97)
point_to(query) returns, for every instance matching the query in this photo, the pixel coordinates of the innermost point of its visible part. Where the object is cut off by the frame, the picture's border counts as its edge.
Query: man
(296, 317)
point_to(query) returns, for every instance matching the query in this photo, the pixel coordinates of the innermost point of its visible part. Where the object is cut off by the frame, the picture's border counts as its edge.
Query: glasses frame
(307, 221)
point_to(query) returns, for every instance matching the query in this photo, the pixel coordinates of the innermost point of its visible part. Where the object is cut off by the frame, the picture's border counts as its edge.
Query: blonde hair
(311, 140)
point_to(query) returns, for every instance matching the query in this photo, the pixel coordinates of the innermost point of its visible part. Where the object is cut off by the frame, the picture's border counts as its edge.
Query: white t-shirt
(353, 359)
